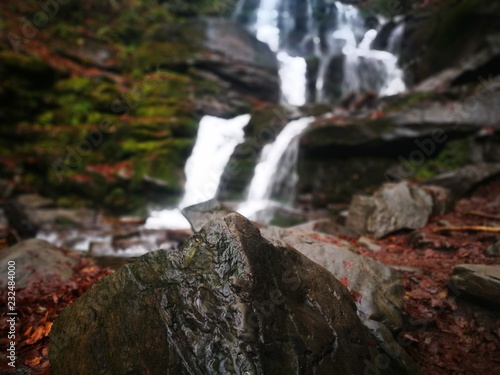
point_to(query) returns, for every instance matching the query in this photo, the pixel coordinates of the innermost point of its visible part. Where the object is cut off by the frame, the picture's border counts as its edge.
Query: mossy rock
(25, 80)
(454, 155)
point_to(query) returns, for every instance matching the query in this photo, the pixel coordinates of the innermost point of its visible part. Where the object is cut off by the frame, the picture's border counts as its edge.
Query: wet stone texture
(228, 302)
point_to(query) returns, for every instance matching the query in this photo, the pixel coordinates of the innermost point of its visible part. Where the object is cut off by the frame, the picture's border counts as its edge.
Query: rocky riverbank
(426, 286)
(393, 266)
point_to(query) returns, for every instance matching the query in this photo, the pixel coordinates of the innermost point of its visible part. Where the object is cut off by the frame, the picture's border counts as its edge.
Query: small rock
(442, 199)
(477, 280)
(6, 188)
(393, 207)
(362, 207)
(327, 226)
(493, 250)
(36, 260)
(33, 201)
(369, 243)
(22, 223)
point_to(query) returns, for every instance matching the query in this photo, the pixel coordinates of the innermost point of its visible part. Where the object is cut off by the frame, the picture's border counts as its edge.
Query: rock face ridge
(229, 302)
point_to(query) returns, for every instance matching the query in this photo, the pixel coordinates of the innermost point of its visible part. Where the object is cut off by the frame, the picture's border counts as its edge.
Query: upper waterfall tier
(324, 50)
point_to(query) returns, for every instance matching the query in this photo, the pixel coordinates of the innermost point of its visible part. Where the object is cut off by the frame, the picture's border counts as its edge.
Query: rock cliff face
(462, 36)
(414, 135)
(229, 302)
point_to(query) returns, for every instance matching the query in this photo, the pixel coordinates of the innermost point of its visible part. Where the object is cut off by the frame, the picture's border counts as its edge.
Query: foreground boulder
(377, 288)
(229, 302)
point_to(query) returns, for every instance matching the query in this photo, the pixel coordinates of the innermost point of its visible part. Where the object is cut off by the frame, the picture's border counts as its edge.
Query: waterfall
(275, 173)
(292, 69)
(395, 41)
(215, 143)
(334, 34)
(331, 33)
(364, 69)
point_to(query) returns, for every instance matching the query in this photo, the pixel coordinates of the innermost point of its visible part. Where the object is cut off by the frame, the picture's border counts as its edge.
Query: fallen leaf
(33, 362)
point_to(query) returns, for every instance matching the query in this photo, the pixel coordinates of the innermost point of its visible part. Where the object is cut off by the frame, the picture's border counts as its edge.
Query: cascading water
(333, 34)
(292, 70)
(295, 30)
(215, 142)
(275, 173)
(365, 70)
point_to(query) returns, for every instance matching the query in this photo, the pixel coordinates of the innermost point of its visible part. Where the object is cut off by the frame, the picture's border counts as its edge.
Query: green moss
(400, 102)
(152, 53)
(454, 155)
(60, 108)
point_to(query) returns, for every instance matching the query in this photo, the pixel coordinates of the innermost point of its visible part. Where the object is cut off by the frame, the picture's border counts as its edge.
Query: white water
(292, 70)
(292, 74)
(266, 25)
(215, 143)
(365, 69)
(395, 41)
(275, 176)
(273, 169)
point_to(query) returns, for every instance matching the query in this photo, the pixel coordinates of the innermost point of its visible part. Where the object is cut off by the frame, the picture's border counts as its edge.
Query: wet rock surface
(376, 288)
(413, 135)
(228, 302)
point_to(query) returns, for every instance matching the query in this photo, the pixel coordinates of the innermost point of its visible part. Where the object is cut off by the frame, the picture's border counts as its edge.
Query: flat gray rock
(377, 288)
(36, 260)
(478, 280)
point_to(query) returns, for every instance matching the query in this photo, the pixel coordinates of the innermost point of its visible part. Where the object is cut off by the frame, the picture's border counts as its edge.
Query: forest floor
(449, 333)
(446, 333)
